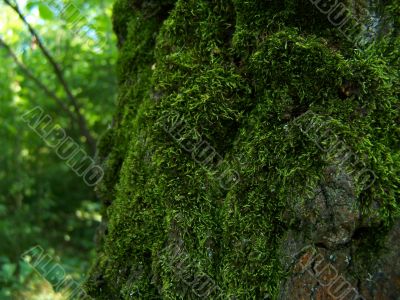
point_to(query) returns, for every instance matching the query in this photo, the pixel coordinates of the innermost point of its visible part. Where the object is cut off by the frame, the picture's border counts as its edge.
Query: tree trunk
(254, 153)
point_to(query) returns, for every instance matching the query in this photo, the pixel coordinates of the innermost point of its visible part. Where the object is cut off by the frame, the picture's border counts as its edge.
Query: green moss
(236, 74)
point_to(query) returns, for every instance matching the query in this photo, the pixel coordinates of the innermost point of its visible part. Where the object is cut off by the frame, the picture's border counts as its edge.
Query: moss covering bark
(206, 160)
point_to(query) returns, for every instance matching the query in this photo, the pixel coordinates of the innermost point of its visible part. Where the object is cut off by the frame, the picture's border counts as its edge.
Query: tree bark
(251, 138)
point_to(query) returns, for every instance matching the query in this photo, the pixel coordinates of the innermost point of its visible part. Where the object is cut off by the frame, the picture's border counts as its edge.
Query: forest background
(57, 58)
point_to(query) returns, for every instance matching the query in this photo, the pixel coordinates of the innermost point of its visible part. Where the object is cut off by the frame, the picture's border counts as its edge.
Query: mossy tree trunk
(246, 134)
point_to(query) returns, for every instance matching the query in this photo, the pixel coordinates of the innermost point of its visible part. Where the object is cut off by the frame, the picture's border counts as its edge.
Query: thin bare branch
(60, 76)
(31, 76)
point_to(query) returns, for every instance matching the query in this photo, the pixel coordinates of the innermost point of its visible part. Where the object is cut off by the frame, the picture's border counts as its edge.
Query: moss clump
(230, 78)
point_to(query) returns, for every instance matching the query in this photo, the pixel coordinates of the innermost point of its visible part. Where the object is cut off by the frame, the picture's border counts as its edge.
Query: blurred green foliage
(43, 202)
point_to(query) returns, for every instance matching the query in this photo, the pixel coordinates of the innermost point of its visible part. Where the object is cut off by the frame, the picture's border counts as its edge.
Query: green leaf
(45, 12)
(32, 4)
(8, 270)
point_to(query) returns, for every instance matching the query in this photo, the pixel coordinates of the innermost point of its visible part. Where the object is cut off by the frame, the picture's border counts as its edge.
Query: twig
(31, 76)
(57, 70)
